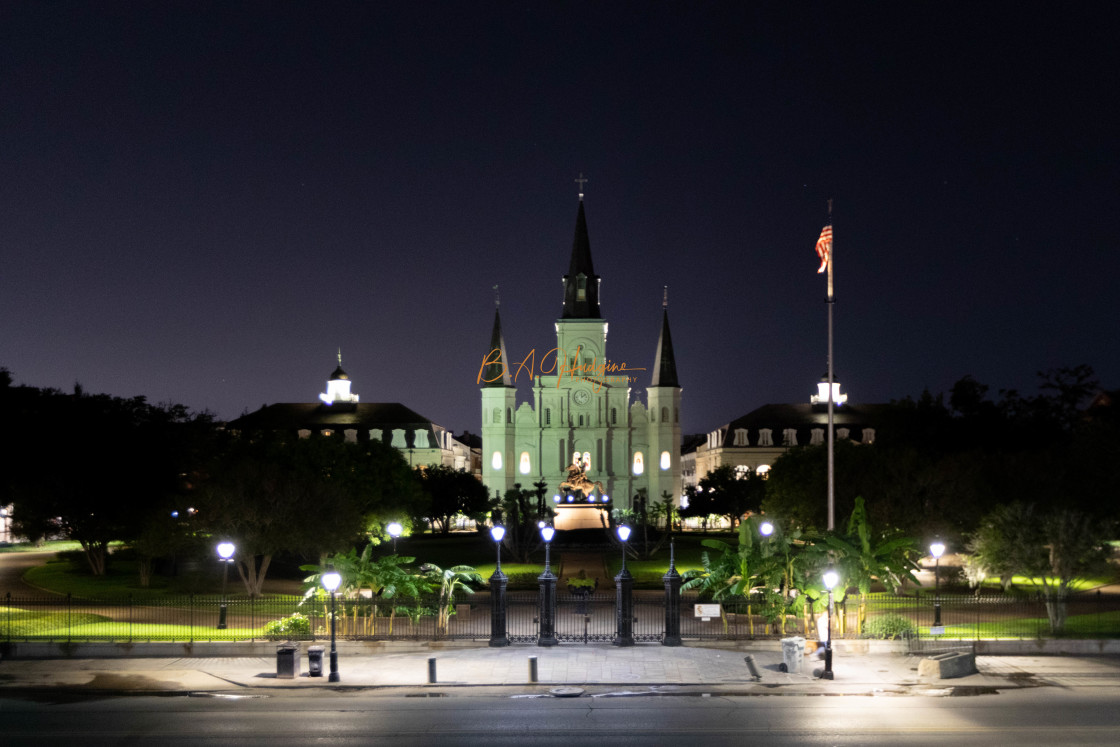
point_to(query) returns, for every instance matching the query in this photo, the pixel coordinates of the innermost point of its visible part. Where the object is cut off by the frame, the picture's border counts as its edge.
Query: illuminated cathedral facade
(582, 434)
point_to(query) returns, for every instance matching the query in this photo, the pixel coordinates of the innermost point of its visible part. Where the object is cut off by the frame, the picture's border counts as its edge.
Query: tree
(448, 581)
(862, 556)
(1050, 548)
(733, 494)
(736, 572)
(93, 468)
(519, 511)
(309, 496)
(450, 492)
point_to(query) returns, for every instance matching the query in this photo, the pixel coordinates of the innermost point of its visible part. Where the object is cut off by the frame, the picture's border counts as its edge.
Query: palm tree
(449, 580)
(736, 572)
(861, 556)
(385, 577)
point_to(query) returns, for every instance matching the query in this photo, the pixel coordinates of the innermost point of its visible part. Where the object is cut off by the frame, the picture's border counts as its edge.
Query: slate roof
(293, 416)
(803, 418)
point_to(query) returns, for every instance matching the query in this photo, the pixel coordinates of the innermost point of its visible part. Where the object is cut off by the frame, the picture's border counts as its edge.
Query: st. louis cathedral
(582, 434)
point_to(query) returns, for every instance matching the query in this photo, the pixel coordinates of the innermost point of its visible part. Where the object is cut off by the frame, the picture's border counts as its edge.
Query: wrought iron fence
(590, 617)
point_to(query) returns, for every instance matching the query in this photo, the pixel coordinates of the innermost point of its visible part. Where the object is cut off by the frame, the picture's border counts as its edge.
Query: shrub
(888, 627)
(295, 626)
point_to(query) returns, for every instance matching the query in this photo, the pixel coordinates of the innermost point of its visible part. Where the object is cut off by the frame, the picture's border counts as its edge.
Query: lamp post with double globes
(331, 579)
(937, 549)
(225, 557)
(498, 582)
(624, 597)
(830, 580)
(547, 581)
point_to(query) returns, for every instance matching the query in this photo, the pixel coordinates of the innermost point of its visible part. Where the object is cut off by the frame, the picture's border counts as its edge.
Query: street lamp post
(225, 556)
(672, 581)
(331, 579)
(394, 529)
(937, 549)
(498, 583)
(624, 597)
(830, 580)
(547, 581)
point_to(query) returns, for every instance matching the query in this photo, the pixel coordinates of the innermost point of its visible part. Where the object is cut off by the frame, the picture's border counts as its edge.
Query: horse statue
(577, 481)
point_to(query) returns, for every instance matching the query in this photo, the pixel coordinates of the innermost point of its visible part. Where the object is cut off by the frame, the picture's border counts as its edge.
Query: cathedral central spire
(581, 284)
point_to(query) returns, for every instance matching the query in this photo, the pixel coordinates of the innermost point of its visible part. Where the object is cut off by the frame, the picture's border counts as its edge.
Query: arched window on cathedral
(664, 414)
(525, 465)
(614, 416)
(509, 414)
(497, 416)
(496, 461)
(586, 461)
(666, 460)
(639, 463)
(548, 416)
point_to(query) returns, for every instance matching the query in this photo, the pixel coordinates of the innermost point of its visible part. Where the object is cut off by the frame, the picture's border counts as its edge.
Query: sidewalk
(598, 670)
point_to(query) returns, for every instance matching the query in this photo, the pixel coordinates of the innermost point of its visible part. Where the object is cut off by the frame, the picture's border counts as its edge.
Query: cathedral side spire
(581, 284)
(665, 363)
(495, 372)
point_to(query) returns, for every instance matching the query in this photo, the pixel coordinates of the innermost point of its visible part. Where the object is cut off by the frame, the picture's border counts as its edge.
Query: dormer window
(581, 287)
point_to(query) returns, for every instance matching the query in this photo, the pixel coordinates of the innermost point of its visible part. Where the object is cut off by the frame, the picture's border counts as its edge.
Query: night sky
(201, 202)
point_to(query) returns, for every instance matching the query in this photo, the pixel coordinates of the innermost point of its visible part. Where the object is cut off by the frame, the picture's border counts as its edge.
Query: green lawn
(52, 546)
(121, 580)
(1093, 625)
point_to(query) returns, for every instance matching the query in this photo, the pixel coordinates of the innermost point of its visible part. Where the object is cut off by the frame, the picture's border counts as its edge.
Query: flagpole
(831, 435)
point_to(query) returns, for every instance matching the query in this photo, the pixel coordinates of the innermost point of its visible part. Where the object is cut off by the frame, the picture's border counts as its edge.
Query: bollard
(751, 666)
(431, 670)
(532, 669)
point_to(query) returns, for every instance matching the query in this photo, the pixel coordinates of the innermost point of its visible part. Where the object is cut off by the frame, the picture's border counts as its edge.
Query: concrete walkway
(591, 563)
(598, 670)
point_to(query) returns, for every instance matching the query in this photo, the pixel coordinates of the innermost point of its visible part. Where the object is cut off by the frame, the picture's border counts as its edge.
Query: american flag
(824, 247)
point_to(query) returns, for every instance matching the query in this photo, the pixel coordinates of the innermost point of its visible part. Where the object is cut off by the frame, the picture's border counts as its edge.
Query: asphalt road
(1023, 718)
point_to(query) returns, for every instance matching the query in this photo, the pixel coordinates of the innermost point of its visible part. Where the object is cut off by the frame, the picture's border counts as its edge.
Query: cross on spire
(497, 297)
(581, 181)
(340, 356)
(665, 298)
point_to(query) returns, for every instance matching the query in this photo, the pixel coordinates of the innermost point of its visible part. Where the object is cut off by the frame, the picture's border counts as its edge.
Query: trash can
(315, 661)
(287, 661)
(793, 653)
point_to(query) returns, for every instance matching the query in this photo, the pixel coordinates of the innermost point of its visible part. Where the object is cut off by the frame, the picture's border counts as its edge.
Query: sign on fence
(706, 611)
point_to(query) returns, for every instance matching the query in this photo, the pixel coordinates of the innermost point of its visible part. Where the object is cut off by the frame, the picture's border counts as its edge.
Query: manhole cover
(566, 692)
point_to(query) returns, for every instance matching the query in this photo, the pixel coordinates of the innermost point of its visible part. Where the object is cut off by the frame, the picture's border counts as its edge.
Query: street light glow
(498, 533)
(331, 580)
(831, 578)
(937, 549)
(225, 550)
(766, 528)
(548, 533)
(624, 532)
